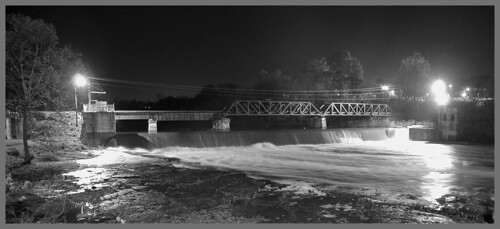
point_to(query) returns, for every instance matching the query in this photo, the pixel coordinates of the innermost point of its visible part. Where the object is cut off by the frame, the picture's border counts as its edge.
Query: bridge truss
(294, 108)
(357, 109)
(245, 108)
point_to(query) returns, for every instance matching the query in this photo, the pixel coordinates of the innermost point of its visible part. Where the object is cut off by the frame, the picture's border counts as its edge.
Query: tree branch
(10, 56)
(33, 67)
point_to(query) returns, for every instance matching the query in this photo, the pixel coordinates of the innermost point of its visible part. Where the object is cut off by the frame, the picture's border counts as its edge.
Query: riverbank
(70, 191)
(82, 185)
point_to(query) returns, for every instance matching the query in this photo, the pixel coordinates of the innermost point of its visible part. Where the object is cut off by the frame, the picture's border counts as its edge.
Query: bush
(47, 157)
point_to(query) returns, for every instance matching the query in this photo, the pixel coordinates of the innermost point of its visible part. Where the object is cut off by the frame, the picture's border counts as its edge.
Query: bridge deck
(166, 115)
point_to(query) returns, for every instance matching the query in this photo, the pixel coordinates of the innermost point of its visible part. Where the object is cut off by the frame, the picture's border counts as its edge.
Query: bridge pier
(317, 123)
(97, 126)
(152, 127)
(222, 124)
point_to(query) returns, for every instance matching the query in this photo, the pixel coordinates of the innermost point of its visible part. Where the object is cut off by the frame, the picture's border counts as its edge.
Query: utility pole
(76, 108)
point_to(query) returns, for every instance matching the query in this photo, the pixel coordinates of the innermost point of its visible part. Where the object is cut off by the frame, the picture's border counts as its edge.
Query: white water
(390, 167)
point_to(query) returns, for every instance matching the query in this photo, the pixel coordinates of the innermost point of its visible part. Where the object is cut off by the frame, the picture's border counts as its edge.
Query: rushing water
(353, 159)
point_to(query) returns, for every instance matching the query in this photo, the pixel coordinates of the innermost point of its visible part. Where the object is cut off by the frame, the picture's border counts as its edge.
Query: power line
(197, 88)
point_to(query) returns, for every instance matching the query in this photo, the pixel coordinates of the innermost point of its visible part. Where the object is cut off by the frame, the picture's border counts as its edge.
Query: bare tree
(34, 65)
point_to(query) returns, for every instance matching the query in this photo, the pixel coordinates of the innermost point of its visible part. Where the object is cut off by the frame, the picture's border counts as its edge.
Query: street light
(79, 81)
(439, 91)
(442, 98)
(385, 88)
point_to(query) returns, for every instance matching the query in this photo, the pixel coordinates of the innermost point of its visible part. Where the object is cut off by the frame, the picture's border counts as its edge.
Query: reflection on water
(392, 166)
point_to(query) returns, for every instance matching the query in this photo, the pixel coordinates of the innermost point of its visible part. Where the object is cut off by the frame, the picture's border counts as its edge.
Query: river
(370, 161)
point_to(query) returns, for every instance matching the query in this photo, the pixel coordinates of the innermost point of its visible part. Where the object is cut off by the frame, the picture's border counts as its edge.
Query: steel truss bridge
(295, 108)
(261, 108)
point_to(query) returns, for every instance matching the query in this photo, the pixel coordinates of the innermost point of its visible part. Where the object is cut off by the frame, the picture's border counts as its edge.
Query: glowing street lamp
(438, 87)
(439, 91)
(79, 81)
(385, 88)
(442, 98)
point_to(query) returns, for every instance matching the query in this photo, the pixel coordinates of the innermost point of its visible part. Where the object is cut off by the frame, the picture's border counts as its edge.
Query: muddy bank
(160, 192)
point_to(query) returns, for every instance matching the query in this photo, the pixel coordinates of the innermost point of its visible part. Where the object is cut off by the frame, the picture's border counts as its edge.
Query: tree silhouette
(34, 67)
(414, 76)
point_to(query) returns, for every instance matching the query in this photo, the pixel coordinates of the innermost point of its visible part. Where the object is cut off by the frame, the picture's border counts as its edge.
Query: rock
(26, 184)
(125, 176)
(114, 195)
(364, 218)
(81, 217)
(329, 216)
(120, 220)
(449, 198)
(109, 196)
(140, 187)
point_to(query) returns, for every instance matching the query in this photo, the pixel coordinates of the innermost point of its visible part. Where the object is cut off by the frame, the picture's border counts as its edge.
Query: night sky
(200, 45)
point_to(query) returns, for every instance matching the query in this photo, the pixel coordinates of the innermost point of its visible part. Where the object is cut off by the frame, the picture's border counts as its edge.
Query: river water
(361, 160)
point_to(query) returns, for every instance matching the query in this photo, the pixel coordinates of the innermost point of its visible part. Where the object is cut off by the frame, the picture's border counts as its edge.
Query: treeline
(339, 73)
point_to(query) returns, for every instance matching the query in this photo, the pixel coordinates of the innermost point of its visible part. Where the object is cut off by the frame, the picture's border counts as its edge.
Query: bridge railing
(165, 115)
(98, 108)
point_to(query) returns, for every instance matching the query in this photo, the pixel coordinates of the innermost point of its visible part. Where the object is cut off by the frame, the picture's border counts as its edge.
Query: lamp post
(79, 81)
(385, 88)
(442, 98)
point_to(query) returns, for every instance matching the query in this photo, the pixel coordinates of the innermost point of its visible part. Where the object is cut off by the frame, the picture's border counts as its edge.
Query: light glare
(438, 87)
(80, 80)
(385, 87)
(442, 99)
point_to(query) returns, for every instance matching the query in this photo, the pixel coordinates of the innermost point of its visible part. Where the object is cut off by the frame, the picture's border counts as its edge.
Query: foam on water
(347, 159)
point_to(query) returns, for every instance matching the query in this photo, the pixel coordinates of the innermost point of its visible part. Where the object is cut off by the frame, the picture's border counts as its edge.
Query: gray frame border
(241, 3)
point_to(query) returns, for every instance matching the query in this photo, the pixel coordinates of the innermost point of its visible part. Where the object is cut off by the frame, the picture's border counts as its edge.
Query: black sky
(200, 45)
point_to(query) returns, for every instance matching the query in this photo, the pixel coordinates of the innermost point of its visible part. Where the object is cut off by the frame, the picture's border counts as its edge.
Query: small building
(447, 129)
(99, 106)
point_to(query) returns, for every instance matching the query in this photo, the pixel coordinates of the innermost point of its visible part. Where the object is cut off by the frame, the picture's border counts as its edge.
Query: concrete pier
(422, 134)
(447, 129)
(97, 127)
(152, 127)
(317, 123)
(222, 124)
